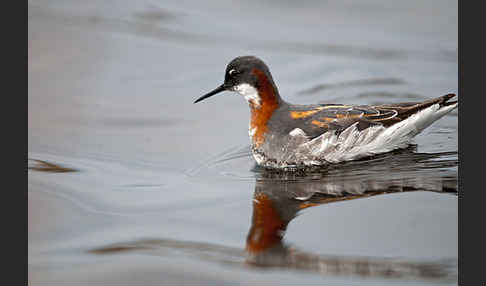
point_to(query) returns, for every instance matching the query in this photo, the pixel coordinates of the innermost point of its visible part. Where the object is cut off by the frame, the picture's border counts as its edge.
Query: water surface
(131, 183)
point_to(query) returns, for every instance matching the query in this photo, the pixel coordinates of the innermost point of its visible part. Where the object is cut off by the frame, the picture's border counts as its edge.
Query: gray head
(250, 77)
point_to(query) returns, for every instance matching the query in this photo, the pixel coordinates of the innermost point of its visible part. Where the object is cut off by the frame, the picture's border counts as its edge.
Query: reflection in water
(396, 171)
(277, 200)
(280, 196)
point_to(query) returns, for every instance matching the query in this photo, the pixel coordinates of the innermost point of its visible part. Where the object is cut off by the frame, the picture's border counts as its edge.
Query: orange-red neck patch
(261, 114)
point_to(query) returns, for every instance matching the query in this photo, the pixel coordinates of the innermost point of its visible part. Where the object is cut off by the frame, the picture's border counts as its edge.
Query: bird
(287, 136)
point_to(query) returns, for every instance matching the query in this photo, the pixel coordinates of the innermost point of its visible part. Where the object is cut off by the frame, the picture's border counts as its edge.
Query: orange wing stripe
(319, 123)
(303, 114)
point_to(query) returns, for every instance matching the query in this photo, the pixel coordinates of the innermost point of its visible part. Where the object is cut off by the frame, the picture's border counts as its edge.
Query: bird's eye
(232, 72)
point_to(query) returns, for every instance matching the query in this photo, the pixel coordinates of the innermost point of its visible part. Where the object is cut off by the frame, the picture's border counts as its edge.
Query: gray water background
(111, 86)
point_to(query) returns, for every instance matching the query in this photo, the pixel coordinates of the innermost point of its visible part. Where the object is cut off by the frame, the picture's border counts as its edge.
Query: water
(131, 183)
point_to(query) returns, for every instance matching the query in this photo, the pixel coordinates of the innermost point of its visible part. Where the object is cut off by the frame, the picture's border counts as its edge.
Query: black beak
(211, 93)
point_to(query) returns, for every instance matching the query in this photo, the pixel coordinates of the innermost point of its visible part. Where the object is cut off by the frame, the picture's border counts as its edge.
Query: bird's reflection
(279, 196)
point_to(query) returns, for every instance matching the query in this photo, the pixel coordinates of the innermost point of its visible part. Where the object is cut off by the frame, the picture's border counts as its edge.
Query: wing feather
(315, 120)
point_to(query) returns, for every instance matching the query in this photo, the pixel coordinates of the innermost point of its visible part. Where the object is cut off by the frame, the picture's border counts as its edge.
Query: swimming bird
(285, 135)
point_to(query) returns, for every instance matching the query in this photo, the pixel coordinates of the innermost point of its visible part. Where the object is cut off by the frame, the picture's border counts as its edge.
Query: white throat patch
(249, 92)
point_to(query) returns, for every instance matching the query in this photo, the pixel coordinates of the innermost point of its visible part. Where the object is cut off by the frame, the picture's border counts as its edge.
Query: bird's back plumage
(332, 133)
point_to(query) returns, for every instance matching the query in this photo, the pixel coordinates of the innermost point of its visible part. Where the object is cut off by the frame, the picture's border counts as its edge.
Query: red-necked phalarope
(287, 135)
